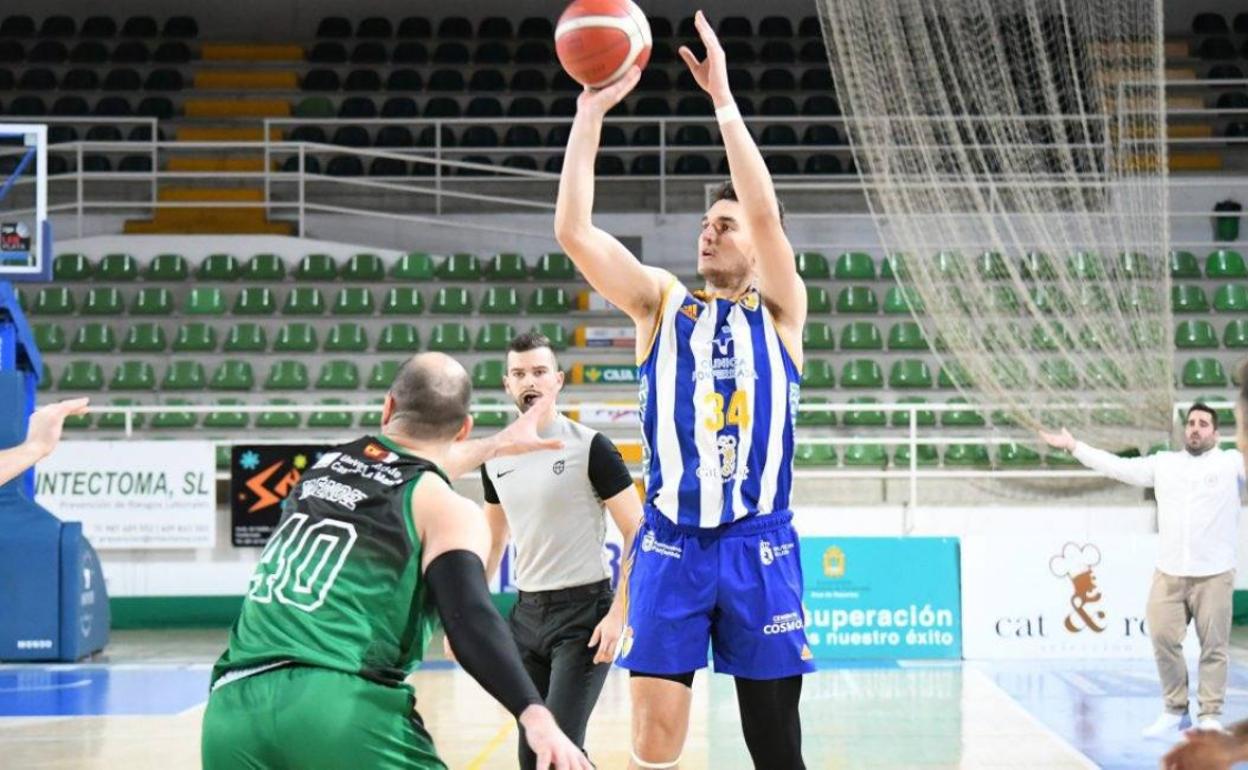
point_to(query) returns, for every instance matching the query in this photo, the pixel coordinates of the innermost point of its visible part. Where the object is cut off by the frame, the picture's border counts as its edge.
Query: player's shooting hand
(553, 749)
(47, 422)
(607, 634)
(1204, 750)
(599, 102)
(1061, 440)
(712, 72)
(522, 435)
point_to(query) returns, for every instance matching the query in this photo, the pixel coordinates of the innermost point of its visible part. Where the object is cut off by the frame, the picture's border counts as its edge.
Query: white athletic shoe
(1168, 726)
(1211, 724)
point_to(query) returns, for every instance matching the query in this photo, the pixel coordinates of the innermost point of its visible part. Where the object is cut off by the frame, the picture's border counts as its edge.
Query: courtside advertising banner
(882, 597)
(1058, 595)
(133, 494)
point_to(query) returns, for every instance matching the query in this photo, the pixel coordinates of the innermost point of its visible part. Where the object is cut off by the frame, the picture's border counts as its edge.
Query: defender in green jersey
(372, 541)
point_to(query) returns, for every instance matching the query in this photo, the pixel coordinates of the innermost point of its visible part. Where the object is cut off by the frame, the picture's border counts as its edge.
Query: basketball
(598, 40)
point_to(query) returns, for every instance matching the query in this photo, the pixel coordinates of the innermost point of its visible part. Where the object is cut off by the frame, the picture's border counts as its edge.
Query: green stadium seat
(364, 268)
(866, 456)
(264, 268)
(549, 300)
(1012, 373)
(223, 457)
(967, 455)
(925, 455)
(1004, 299)
(152, 300)
(992, 267)
(1195, 334)
(812, 266)
(1085, 266)
(1140, 299)
(1183, 264)
(1204, 373)
(330, 420)
(279, 420)
(167, 267)
(864, 418)
(857, 299)
(961, 418)
(353, 300)
(1236, 334)
(861, 335)
(459, 267)
(894, 265)
(1051, 301)
(554, 266)
(862, 373)
(117, 420)
(413, 266)
(1223, 406)
(116, 268)
(1060, 374)
(906, 335)
(952, 266)
(399, 338)
(1095, 298)
(94, 338)
(195, 338)
(370, 419)
(953, 375)
(1148, 334)
(909, 373)
(219, 267)
(817, 335)
(901, 300)
(71, 267)
(1111, 417)
(506, 266)
(173, 420)
(226, 419)
(493, 418)
(184, 375)
(817, 373)
(315, 107)
(1231, 298)
(206, 300)
(316, 267)
(49, 337)
(555, 332)
(296, 338)
(814, 417)
(1017, 456)
(304, 300)
(144, 338)
(500, 300)
(255, 300)
(1050, 337)
(495, 337)
(855, 266)
(814, 455)
(54, 300)
(133, 375)
(1061, 459)
(246, 338)
(402, 300)
(817, 300)
(382, 375)
(1225, 263)
(233, 374)
(287, 375)
(338, 375)
(346, 338)
(1136, 265)
(1186, 298)
(924, 418)
(103, 301)
(452, 301)
(488, 374)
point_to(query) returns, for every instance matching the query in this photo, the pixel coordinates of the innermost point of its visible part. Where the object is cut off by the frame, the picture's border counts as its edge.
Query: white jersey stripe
(743, 342)
(667, 447)
(779, 418)
(710, 483)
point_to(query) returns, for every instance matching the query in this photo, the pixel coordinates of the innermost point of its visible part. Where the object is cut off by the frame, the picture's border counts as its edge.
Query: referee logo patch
(557, 467)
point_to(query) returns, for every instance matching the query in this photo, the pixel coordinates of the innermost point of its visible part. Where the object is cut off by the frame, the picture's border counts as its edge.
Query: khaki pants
(1174, 602)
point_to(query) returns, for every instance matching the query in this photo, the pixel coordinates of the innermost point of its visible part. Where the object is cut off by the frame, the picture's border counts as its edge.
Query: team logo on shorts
(650, 543)
(626, 642)
(765, 553)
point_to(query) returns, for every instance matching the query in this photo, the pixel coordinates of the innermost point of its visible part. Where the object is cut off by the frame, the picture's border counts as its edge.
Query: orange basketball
(598, 40)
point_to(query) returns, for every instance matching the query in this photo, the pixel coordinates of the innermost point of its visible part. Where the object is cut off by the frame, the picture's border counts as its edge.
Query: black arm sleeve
(607, 471)
(478, 635)
(491, 494)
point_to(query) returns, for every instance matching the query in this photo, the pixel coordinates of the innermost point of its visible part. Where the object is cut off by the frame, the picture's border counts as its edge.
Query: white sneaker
(1211, 724)
(1168, 726)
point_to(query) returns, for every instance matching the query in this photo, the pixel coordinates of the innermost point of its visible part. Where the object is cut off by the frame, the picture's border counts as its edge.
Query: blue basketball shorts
(737, 588)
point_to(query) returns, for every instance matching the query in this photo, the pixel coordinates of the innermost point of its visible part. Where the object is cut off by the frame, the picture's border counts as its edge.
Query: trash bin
(1226, 227)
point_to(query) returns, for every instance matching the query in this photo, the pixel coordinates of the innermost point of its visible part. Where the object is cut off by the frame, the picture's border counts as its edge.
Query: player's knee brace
(653, 765)
(770, 721)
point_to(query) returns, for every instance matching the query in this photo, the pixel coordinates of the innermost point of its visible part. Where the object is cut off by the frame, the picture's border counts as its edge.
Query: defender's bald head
(430, 397)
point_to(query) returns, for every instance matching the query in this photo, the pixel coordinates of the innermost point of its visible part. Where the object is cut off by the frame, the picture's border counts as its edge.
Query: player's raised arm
(42, 436)
(606, 263)
(778, 280)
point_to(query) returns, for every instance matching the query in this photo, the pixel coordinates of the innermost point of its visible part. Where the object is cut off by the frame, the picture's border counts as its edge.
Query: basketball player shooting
(716, 559)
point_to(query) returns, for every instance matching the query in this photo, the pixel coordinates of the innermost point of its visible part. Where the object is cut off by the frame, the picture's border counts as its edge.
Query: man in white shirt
(1198, 501)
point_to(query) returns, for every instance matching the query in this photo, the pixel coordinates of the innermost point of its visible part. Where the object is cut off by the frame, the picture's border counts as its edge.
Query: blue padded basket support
(84, 616)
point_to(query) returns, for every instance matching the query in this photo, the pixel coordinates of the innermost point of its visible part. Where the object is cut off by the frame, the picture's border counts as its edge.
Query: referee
(566, 622)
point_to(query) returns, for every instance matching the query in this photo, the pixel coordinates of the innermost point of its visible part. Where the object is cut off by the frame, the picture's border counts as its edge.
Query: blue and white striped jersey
(719, 395)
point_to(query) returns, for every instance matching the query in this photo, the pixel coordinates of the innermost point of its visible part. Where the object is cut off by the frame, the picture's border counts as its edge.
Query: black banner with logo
(261, 476)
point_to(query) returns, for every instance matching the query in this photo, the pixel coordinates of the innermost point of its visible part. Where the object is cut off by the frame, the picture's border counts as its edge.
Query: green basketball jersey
(338, 584)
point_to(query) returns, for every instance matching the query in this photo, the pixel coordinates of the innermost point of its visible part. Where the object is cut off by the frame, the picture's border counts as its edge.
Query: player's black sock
(769, 719)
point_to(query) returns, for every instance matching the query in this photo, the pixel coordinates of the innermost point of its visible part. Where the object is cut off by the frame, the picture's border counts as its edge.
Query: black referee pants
(552, 631)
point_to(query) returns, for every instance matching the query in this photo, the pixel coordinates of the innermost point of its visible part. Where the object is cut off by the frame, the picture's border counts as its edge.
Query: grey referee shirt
(553, 502)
